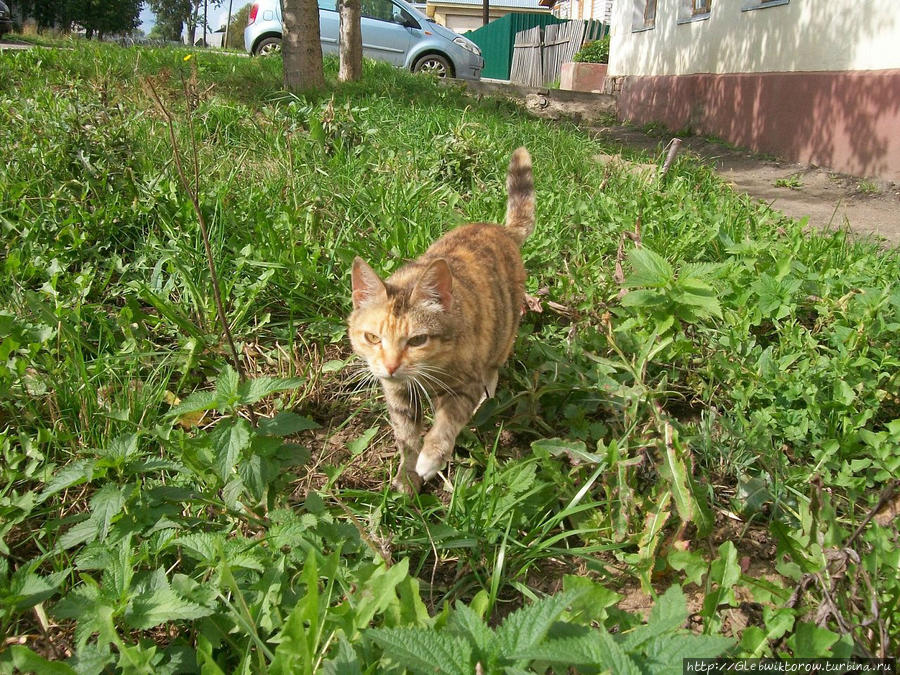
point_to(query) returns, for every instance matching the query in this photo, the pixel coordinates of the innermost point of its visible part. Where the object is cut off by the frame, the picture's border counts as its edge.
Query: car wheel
(434, 64)
(271, 45)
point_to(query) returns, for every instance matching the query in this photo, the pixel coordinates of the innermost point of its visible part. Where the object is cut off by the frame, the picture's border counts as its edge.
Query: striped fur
(438, 330)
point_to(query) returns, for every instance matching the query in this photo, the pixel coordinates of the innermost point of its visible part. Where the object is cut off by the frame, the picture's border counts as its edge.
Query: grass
(719, 420)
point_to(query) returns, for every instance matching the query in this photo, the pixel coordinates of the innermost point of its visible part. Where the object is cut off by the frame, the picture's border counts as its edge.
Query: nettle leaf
(228, 440)
(196, 402)
(204, 546)
(227, 386)
(74, 473)
(648, 269)
(466, 623)
(668, 650)
(526, 627)
(120, 449)
(160, 603)
(258, 388)
(424, 650)
(27, 589)
(588, 649)
(106, 504)
(285, 424)
(345, 660)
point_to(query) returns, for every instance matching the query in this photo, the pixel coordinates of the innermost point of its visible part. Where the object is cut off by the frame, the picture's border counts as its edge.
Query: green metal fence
(496, 40)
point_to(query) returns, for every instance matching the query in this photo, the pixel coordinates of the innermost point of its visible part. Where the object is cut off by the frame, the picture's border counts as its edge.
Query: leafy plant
(596, 51)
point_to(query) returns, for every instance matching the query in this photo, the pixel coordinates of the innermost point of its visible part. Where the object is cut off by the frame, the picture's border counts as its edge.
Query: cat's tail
(520, 202)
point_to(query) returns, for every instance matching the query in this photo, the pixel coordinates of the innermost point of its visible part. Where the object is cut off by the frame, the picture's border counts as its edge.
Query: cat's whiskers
(427, 373)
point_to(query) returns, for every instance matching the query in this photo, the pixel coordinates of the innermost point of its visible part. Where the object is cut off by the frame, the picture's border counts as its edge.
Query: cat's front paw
(428, 465)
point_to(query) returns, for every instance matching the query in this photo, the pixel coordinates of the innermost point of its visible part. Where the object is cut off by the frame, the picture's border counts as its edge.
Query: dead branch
(674, 147)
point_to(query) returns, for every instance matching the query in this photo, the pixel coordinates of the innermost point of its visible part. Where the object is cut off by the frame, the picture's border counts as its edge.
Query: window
(760, 4)
(693, 10)
(643, 15)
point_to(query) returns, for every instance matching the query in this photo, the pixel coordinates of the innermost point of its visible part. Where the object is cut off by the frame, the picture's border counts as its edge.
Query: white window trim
(750, 5)
(686, 13)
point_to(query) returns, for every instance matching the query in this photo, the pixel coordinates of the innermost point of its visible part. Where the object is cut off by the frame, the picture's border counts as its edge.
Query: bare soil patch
(828, 199)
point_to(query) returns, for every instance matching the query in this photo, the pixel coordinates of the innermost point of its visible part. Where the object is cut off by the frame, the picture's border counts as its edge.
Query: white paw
(427, 466)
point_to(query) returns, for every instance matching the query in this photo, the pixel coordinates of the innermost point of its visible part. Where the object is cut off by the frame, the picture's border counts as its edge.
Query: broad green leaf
(358, 445)
(251, 391)
(201, 545)
(594, 601)
(809, 641)
(667, 651)
(79, 471)
(466, 623)
(121, 449)
(26, 589)
(588, 649)
(345, 660)
(106, 504)
(227, 386)
(669, 613)
(648, 269)
(196, 402)
(162, 604)
(228, 440)
(575, 451)
(724, 573)
(526, 627)
(692, 564)
(23, 660)
(377, 592)
(424, 650)
(285, 424)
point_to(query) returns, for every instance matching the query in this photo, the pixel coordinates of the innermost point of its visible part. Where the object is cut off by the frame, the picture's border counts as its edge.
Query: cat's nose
(391, 367)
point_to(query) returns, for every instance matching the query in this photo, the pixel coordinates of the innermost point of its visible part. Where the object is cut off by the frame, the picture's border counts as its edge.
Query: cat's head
(403, 330)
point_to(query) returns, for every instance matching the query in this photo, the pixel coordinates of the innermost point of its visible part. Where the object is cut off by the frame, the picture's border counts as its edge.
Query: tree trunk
(485, 12)
(350, 42)
(300, 46)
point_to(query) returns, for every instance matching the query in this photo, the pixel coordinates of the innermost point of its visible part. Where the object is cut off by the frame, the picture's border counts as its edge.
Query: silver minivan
(392, 31)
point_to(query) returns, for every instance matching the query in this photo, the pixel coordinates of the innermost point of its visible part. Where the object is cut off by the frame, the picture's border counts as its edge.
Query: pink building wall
(845, 121)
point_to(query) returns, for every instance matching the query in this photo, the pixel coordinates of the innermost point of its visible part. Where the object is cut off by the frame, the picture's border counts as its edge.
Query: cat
(440, 327)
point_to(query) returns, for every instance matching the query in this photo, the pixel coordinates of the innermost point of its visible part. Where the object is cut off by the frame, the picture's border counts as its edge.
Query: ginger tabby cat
(440, 327)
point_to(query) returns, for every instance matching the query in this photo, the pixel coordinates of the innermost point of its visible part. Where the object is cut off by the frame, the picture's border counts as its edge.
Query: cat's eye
(417, 340)
(372, 339)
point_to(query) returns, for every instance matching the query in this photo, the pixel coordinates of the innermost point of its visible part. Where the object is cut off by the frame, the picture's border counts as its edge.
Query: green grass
(721, 420)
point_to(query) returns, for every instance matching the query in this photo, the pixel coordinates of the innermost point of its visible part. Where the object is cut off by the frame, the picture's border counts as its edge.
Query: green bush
(594, 52)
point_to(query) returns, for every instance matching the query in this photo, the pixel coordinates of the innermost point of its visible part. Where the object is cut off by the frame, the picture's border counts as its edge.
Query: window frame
(639, 20)
(688, 12)
(750, 5)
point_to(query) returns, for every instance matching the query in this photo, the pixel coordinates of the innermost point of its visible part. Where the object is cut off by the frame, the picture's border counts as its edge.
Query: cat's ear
(435, 285)
(367, 285)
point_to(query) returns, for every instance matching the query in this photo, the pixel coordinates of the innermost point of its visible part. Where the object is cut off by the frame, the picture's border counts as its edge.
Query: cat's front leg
(452, 413)
(406, 421)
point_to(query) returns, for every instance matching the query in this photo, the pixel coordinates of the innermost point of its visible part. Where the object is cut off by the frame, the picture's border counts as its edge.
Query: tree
(301, 47)
(103, 16)
(350, 42)
(170, 17)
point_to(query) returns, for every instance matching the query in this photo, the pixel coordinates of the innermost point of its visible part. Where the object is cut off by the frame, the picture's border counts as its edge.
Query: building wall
(805, 80)
(461, 18)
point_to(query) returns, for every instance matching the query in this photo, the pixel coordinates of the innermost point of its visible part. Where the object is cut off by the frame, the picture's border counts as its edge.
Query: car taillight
(254, 9)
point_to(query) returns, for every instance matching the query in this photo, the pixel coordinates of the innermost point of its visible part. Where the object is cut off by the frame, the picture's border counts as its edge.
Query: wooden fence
(539, 52)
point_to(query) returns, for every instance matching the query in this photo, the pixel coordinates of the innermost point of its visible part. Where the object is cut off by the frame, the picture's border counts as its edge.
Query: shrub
(594, 52)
